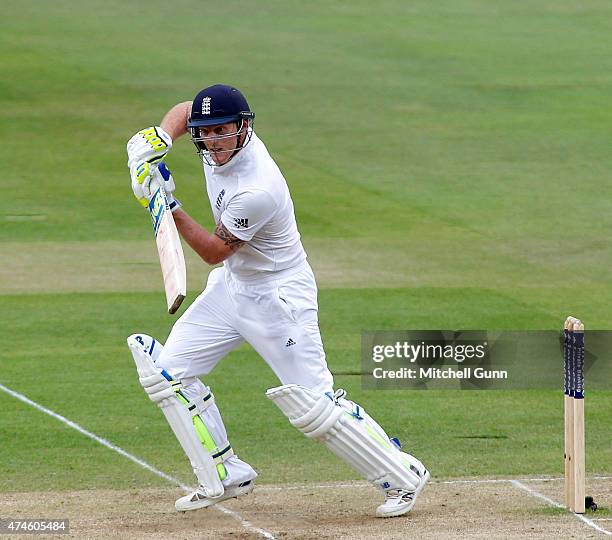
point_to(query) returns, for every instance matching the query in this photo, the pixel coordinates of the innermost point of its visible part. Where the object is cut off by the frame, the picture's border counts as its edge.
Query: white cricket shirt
(250, 196)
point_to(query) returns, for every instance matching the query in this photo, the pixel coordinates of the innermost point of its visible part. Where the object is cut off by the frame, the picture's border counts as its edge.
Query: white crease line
(95, 437)
(246, 524)
(539, 495)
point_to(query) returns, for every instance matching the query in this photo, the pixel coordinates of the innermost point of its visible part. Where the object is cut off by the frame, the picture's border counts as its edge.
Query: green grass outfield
(450, 166)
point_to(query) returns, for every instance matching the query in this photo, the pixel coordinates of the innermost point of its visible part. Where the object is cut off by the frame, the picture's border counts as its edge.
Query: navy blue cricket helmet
(219, 104)
(215, 105)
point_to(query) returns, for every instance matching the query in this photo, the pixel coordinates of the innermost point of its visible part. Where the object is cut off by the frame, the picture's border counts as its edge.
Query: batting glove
(146, 180)
(150, 145)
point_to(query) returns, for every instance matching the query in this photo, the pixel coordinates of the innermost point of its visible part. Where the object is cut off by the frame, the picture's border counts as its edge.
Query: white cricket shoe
(199, 499)
(400, 501)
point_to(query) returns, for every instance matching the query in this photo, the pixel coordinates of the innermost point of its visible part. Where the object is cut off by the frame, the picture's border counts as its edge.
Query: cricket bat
(170, 251)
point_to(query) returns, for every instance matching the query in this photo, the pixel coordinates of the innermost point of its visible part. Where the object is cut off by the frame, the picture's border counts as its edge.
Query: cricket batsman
(264, 294)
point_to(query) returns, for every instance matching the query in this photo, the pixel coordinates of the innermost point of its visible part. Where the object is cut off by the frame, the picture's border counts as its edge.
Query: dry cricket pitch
(452, 509)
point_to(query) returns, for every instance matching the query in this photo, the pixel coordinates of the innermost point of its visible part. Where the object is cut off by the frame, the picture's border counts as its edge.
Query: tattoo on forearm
(227, 237)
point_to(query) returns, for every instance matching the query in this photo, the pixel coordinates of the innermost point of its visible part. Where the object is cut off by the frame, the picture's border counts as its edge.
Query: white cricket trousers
(278, 318)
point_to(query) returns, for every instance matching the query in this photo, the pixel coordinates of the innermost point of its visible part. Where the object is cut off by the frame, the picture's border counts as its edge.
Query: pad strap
(222, 453)
(195, 406)
(200, 404)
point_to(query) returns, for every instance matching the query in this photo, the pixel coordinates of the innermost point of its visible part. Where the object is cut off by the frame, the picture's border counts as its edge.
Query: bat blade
(170, 251)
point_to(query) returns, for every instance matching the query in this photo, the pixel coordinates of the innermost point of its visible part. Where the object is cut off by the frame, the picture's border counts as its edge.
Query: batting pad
(348, 432)
(160, 391)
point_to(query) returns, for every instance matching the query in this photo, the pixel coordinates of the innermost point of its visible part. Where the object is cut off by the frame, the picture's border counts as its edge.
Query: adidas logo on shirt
(219, 199)
(290, 342)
